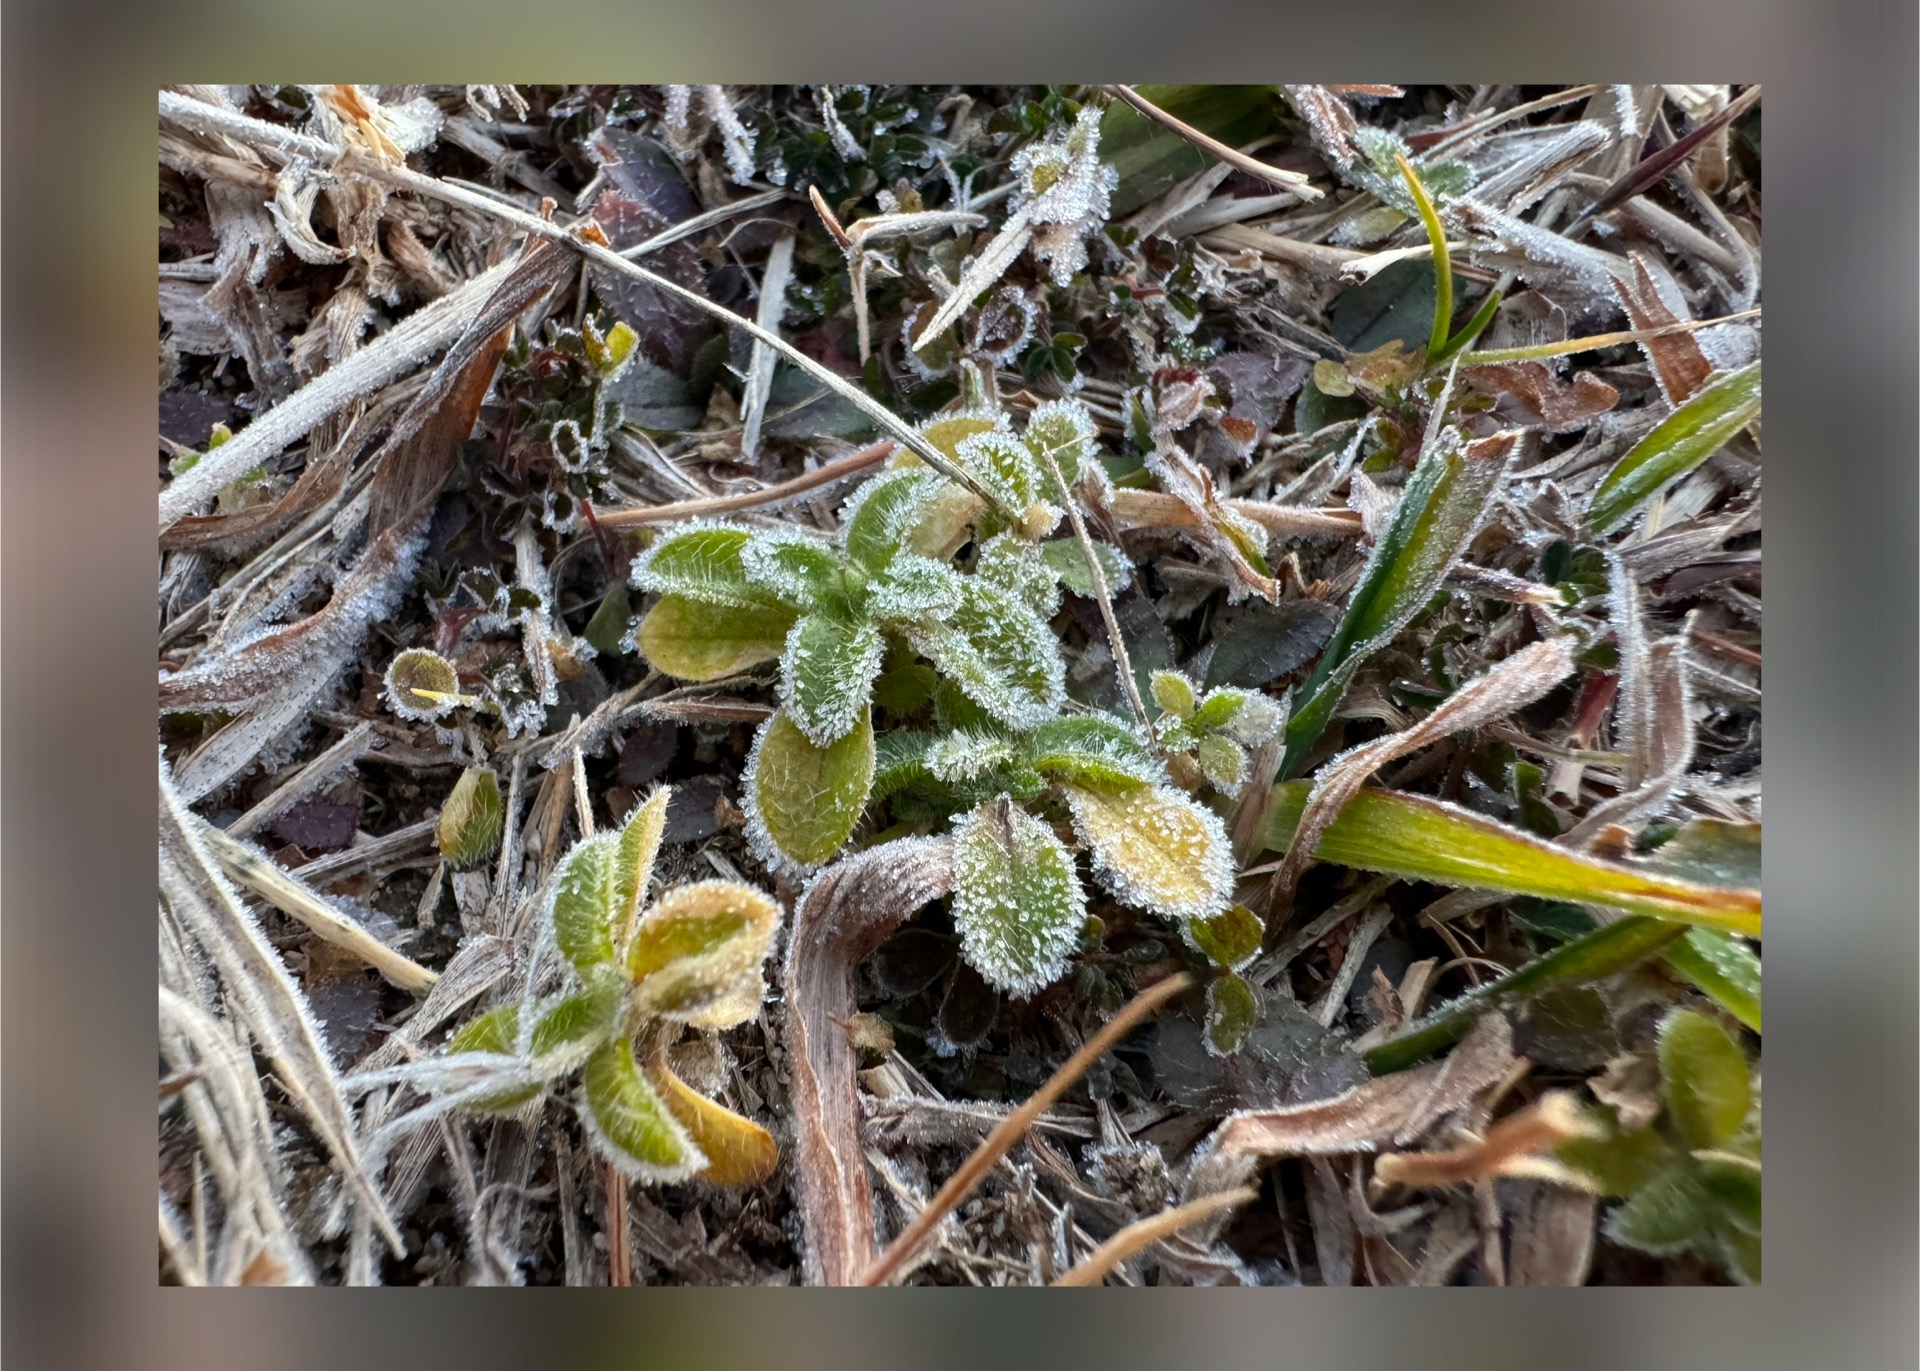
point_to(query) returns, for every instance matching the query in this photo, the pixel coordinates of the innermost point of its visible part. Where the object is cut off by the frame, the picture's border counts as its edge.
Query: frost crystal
(1155, 849)
(798, 570)
(704, 561)
(826, 676)
(1016, 900)
(914, 588)
(1065, 191)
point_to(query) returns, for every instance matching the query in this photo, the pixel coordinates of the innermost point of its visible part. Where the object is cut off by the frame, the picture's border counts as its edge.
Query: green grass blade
(1722, 969)
(1442, 262)
(1444, 503)
(1600, 953)
(1425, 840)
(1472, 329)
(1682, 441)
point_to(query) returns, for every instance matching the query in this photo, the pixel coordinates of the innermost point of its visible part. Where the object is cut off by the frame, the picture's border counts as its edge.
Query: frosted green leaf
(1232, 1011)
(1722, 968)
(1229, 939)
(585, 895)
(472, 819)
(1219, 709)
(1256, 720)
(803, 801)
(422, 686)
(694, 641)
(1669, 1214)
(1222, 761)
(629, 1124)
(1091, 750)
(1069, 564)
(697, 955)
(1000, 653)
(826, 676)
(883, 512)
(900, 760)
(1016, 900)
(947, 431)
(1155, 849)
(914, 588)
(1065, 429)
(703, 562)
(1173, 693)
(799, 571)
(1005, 467)
(1017, 567)
(964, 755)
(1705, 1078)
(639, 846)
(565, 1030)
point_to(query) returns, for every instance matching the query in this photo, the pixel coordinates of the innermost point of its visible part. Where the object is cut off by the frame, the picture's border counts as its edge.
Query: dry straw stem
(1286, 180)
(1095, 1267)
(397, 174)
(1010, 1129)
(1510, 1147)
(634, 516)
(299, 901)
(1156, 509)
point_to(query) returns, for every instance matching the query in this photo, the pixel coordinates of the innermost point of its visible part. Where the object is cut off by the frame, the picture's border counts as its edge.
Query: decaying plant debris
(712, 640)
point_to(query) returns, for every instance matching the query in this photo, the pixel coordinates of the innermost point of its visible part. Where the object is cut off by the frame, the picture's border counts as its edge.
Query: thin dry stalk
(1094, 1268)
(714, 506)
(1010, 1129)
(1286, 180)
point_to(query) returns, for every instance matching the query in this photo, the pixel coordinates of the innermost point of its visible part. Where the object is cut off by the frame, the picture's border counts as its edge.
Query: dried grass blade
(1293, 181)
(1517, 681)
(840, 921)
(774, 277)
(1010, 1129)
(274, 1009)
(1095, 1267)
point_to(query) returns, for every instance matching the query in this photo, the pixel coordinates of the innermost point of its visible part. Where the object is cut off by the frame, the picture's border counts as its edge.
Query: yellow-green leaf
(697, 954)
(1705, 1077)
(803, 801)
(472, 819)
(639, 847)
(1696, 429)
(1231, 938)
(1425, 840)
(738, 1151)
(630, 1124)
(1016, 898)
(696, 641)
(1721, 968)
(1232, 1011)
(1155, 849)
(586, 896)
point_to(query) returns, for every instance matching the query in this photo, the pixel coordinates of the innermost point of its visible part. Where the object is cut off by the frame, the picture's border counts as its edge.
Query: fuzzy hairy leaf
(695, 641)
(1155, 849)
(1705, 1078)
(1426, 840)
(1005, 467)
(472, 819)
(639, 847)
(587, 895)
(1444, 503)
(1683, 440)
(947, 431)
(912, 589)
(967, 755)
(1173, 693)
(1222, 761)
(421, 685)
(900, 761)
(705, 562)
(738, 1151)
(1064, 429)
(696, 956)
(1000, 653)
(1018, 567)
(803, 801)
(798, 570)
(1016, 898)
(629, 1123)
(1669, 1214)
(827, 673)
(565, 1030)
(884, 512)
(1091, 750)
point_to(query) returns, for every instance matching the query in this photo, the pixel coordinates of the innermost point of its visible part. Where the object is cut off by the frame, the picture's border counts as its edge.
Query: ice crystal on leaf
(1155, 849)
(1065, 191)
(1016, 899)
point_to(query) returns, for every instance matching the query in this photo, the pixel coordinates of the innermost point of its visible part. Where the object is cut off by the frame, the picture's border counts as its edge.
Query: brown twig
(1095, 1267)
(634, 516)
(1010, 1129)
(1286, 180)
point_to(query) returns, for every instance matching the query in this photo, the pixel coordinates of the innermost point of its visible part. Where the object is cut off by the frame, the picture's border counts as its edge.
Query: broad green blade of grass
(1424, 840)
(1151, 157)
(1722, 969)
(1606, 950)
(1444, 503)
(1682, 441)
